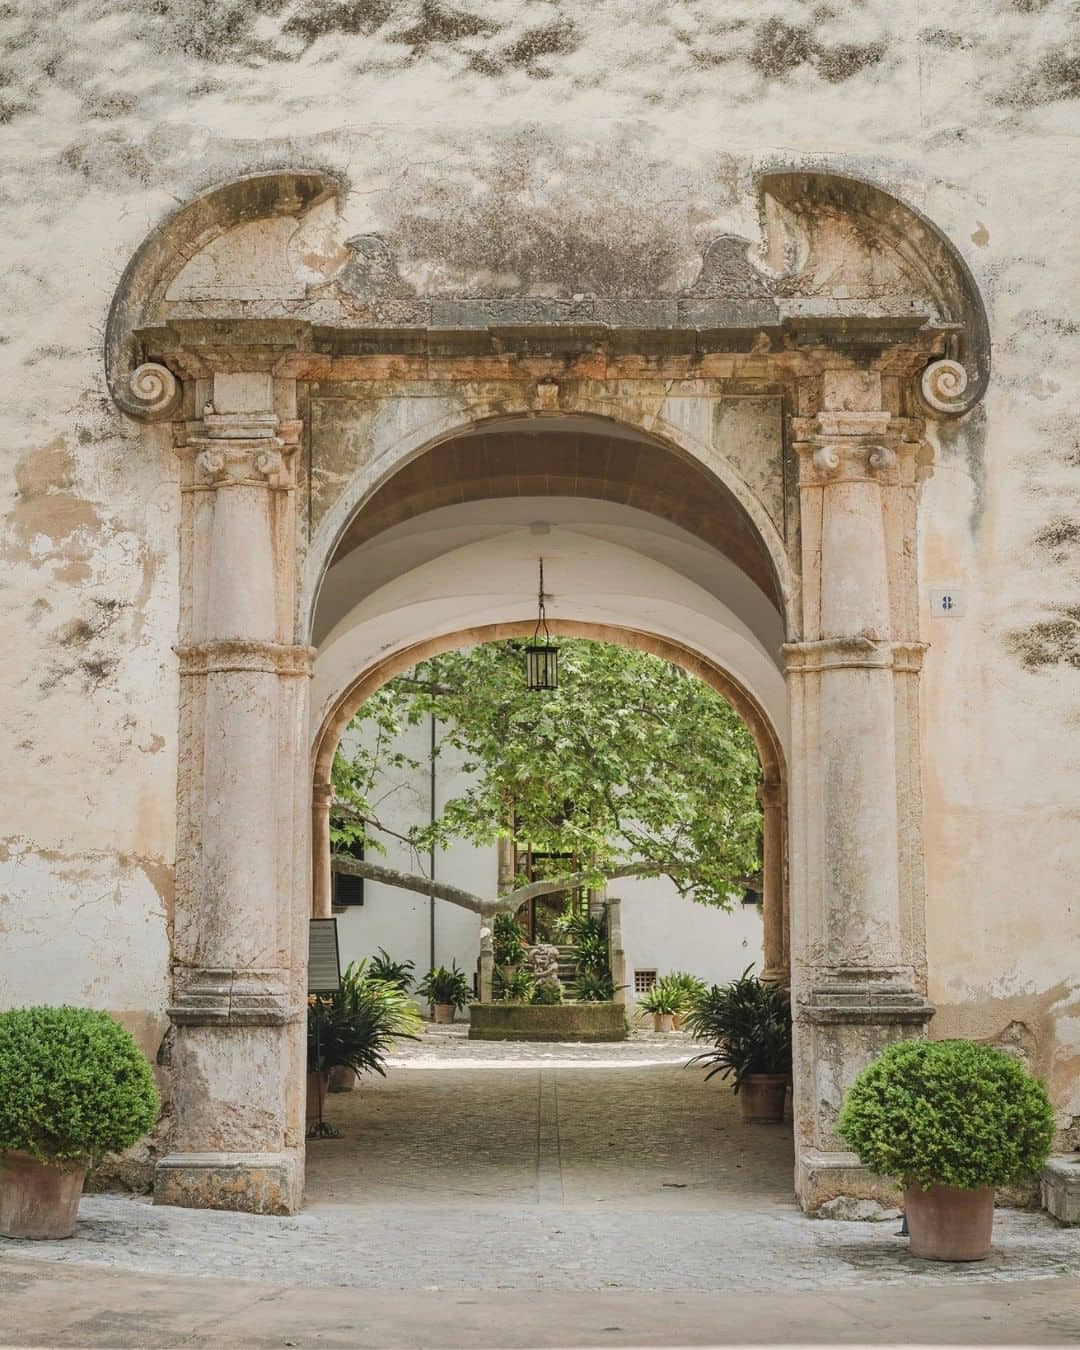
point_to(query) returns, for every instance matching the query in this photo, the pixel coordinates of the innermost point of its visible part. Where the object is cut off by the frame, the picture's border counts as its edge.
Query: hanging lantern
(541, 655)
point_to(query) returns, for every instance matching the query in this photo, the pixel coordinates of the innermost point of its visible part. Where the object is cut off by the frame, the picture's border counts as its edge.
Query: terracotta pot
(444, 1013)
(762, 1096)
(676, 1021)
(38, 1200)
(316, 1094)
(948, 1223)
(342, 1078)
(663, 1021)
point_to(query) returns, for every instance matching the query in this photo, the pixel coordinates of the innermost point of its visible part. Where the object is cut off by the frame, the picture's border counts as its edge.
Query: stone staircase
(567, 966)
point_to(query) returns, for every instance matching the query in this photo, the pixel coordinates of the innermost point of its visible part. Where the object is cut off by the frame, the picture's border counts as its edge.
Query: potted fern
(73, 1085)
(951, 1121)
(749, 1024)
(446, 990)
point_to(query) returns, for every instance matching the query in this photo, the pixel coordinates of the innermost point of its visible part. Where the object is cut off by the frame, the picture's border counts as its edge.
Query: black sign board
(324, 963)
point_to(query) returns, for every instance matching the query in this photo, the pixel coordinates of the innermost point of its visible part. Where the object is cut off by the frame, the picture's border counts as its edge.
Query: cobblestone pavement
(542, 1169)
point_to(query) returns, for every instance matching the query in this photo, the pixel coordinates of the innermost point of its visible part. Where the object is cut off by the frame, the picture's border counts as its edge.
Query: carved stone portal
(852, 313)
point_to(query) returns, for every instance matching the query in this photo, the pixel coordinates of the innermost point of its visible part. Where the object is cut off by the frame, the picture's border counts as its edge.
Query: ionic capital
(239, 448)
(229, 463)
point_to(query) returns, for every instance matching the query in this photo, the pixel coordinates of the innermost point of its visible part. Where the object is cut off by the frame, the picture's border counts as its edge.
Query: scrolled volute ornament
(826, 459)
(882, 457)
(943, 386)
(154, 391)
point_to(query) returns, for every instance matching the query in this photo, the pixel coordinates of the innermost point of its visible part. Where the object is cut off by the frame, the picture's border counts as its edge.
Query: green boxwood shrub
(73, 1084)
(948, 1111)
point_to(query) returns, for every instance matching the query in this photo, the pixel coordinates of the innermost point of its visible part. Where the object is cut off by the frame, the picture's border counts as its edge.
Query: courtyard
(539, 1195)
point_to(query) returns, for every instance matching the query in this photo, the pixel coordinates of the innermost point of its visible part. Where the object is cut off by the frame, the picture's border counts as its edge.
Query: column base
(256, 1183)
(1060, 1183)
(822, 1176)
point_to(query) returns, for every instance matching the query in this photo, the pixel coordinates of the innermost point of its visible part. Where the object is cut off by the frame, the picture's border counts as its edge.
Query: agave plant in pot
(749, 1024)
(951, 1121)
(73, 1085)
(663, 1000)
(689, 987)
(446, 991)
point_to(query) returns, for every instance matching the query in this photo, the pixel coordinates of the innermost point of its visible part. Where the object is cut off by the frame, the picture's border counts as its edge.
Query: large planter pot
(444, 1013)
(38, 1199)
(663, 1021)
(948, 1223)
(316, 1094)
(676, 1021)
(342, 1078)
(762, 1096)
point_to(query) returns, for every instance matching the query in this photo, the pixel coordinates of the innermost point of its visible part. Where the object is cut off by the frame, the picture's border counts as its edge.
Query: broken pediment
(837, 259)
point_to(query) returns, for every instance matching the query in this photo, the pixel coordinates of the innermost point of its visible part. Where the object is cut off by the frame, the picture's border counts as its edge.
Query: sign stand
(324, 977)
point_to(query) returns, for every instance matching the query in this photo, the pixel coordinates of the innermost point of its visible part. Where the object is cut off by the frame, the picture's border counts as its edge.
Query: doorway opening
(517, 787)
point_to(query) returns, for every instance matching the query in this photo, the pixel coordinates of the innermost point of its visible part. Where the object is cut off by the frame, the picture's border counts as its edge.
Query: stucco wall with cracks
(544, 147)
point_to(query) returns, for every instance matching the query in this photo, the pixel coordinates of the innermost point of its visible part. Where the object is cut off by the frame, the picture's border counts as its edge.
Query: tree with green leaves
(632, 767)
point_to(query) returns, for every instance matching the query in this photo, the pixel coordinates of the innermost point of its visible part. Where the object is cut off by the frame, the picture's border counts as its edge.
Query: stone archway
(873, 326)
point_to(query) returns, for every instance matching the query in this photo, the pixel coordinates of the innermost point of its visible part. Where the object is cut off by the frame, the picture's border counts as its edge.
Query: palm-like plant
(384, 967)
(593, 987)
(689, 988)
(662, 999)
(508, 941)
(749, 1023)
(445, 986)
(356, 1027)
(516, 986)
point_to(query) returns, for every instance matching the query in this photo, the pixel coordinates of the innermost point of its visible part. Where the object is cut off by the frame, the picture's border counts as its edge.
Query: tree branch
(410, 881)
(504, 904)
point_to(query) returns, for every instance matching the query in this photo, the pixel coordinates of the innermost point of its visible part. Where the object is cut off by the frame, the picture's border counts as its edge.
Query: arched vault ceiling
(572, 462)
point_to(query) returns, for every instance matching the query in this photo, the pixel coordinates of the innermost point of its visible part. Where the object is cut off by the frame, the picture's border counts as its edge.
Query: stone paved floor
(541, 1169)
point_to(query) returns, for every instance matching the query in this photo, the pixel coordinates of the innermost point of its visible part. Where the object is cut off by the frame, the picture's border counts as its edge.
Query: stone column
(322, 880)
(775, 963)
(239, 951)
(486, 964)
(853, 967)
(616, 951)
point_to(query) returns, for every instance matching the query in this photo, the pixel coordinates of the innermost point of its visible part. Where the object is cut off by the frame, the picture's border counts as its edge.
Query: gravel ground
(478, 1166)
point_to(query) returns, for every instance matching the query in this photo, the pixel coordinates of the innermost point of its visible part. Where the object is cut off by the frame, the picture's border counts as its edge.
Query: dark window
(348, 890)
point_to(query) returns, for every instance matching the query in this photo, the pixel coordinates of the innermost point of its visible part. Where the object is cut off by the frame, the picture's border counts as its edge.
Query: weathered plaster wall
(530, 145)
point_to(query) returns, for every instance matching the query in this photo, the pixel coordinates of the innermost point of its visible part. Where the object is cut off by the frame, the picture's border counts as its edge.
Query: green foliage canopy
(73, 1084)
(948, 1111)
(630, 763)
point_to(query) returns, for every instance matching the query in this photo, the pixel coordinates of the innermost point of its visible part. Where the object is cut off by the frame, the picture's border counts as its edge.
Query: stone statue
(543, 963)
